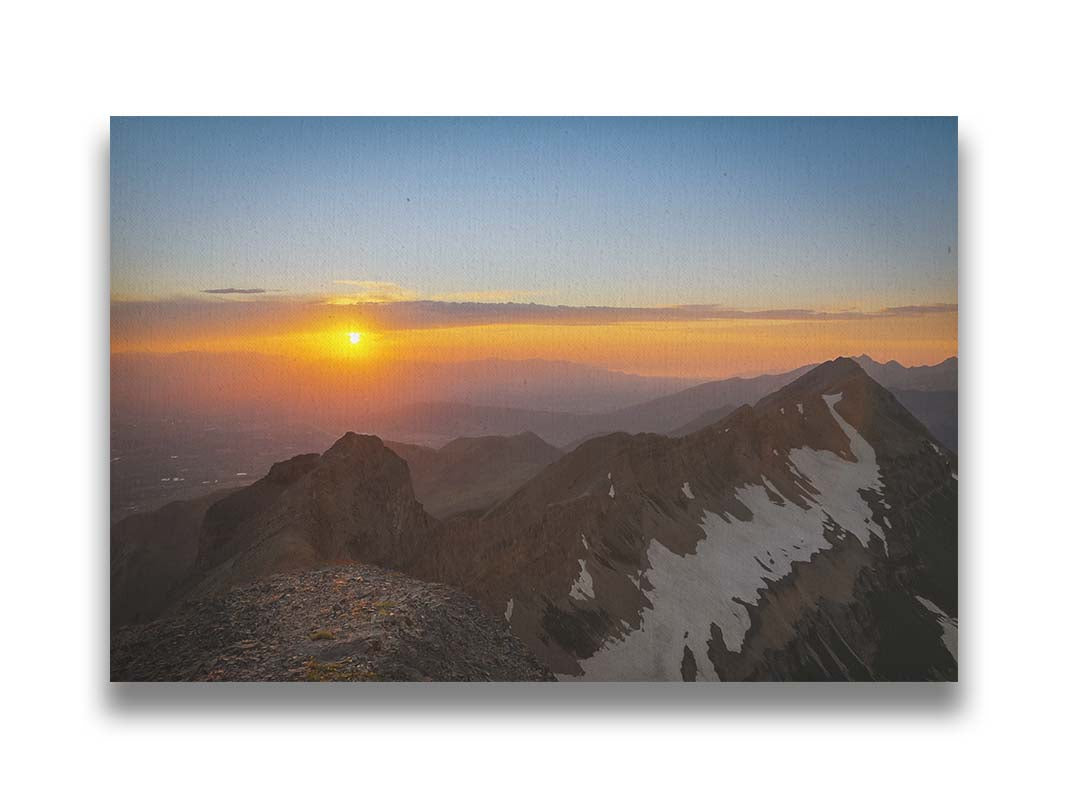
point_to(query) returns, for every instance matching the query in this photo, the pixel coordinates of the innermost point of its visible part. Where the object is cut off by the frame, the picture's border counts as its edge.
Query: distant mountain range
(936, 378)
(156, 459)
(474, 473)
(810, 534)
(444, 421)
(926, 391)
(259, 386)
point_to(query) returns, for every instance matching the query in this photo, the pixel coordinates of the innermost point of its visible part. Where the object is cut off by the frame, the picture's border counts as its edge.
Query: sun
(354, 337)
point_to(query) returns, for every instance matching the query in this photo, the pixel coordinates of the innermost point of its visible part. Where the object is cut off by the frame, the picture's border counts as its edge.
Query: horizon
(688, 248)
(597, 377)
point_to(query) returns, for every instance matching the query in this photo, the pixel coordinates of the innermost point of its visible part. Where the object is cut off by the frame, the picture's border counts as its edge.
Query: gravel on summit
(345, 623)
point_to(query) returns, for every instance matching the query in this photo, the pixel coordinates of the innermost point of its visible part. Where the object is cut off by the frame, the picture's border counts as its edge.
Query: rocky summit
(345, 623)
(811, 535)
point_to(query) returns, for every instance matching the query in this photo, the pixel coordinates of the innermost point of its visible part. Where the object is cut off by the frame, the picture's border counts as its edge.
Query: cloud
(921, 311)
(190, 319)
(501, 295)
(440, 314)
(372, 292)
(231, 290)
(389, 292)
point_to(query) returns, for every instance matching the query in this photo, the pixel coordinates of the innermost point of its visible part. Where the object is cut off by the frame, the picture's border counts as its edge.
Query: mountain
(161, 458)
(675, 414)
(350, 623)
(893, 375)
(928, 392)
(703, 421)
(937, 410)
(473, 473)
(811, 536)
(152, 555)
(259, 583)
(665, 414)
(327, 393)
(358, 501)
(538, 384)
(438, 422)
(352, 503)
(435, 424)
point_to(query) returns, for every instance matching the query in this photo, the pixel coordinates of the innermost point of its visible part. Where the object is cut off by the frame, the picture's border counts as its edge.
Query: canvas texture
(534, 399)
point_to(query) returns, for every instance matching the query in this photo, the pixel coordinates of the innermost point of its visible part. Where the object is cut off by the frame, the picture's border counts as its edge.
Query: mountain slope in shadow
(810, 536)
(473, 473)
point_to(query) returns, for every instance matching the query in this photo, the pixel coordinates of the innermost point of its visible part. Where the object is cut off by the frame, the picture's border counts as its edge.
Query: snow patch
(583, 587)
(714, 584)
(687, 491)
(800, 407)
(509, 609)
(949, 627)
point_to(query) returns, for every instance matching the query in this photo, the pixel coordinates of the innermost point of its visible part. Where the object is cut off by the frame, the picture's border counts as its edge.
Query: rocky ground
(347, 623)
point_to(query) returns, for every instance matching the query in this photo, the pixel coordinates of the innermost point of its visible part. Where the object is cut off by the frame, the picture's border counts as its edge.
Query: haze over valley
(172, 451)
(534, 399)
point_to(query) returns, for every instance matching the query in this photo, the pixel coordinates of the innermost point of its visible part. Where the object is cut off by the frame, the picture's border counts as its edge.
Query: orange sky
(709, 348)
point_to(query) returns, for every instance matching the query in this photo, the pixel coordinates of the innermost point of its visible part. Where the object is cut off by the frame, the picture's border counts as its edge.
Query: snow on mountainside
(791, 540)
(810, 536)
(731, 564)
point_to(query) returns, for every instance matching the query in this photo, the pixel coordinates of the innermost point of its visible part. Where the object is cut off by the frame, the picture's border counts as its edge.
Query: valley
(808, 533)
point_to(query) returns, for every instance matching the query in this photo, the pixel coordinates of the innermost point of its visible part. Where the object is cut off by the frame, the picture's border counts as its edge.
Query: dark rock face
(352, 503)
(474, 473)
(353, 623)
(152, 556)
(810, 537)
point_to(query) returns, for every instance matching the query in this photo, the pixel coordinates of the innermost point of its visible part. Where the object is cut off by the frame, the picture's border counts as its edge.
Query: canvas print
(533, 399)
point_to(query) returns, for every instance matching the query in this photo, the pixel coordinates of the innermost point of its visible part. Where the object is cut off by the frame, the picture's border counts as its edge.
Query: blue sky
(751, 213)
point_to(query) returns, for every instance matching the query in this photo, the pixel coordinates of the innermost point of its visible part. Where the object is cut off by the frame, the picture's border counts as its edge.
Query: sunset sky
(657, 246)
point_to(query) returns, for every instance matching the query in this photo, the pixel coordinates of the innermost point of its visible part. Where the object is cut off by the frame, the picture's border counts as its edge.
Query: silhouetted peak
(840, 368)
(354, 444)
(290, 470)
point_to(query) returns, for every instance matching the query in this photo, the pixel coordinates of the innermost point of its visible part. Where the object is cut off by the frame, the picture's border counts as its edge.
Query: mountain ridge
(591, 529)
(810, 535)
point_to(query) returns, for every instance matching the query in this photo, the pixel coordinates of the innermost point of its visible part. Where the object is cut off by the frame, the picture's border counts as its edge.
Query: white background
(68, 66)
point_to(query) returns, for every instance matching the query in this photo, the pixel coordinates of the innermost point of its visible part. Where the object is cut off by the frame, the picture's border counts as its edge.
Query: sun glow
(702, 349)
